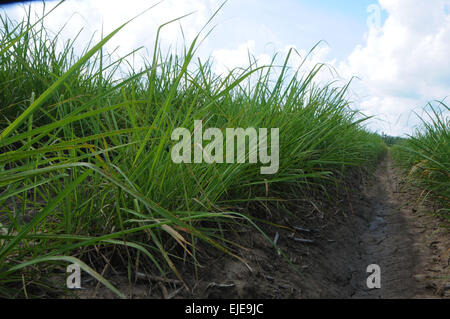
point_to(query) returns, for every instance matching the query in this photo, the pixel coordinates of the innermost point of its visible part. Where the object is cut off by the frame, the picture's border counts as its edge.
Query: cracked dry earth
(383, 222)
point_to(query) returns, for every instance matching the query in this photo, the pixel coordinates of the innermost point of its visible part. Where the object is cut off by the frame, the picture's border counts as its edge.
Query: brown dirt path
(387, 241)
(406, 245)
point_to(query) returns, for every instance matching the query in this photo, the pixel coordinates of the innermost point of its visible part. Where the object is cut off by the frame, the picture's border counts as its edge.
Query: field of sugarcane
(425, 156)
(85, 164)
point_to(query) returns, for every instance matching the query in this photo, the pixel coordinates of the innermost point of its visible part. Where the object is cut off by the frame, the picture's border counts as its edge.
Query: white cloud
(306, 61)
(404, 64)
(92, 16)
(226, 60)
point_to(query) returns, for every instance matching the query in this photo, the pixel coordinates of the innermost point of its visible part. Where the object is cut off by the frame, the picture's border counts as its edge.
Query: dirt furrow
(387, 242)
(382, 223)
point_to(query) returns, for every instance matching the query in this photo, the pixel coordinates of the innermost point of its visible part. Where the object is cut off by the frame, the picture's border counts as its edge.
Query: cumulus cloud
(302, 60)
(107, 15)
(305, 60)
(404, 64)
(226, 60)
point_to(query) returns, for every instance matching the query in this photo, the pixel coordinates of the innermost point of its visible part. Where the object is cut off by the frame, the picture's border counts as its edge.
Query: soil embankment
(384, 223)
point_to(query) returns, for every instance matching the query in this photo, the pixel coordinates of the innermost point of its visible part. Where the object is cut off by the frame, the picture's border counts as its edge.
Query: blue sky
(302, 23)
(401, 63)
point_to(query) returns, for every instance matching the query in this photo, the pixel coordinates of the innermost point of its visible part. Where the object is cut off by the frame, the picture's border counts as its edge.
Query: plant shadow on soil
(379, 222)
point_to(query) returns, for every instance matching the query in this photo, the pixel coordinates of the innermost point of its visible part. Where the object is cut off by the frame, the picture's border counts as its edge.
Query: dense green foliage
(426, 155)
(84, 158)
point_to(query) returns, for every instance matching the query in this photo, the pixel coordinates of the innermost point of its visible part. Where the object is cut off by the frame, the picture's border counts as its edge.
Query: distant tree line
(392, 140)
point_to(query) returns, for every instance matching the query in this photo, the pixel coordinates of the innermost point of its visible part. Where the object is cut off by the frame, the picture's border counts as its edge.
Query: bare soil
(383, 222)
